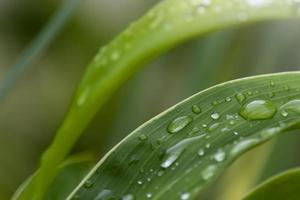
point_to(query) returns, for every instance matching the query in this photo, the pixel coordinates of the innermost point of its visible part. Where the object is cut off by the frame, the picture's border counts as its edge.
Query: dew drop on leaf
(201, 152)
(220, 155)
(185, 196)
(209, 172)
(143, 137)
(215, 115)
(179, 123)
(292, 106)
(104, 194)
(196, 109)
(149, 195)
(240, 97)
(243, 145)
(258, 109)
(88, 184)
(128, 197)
(174, 152)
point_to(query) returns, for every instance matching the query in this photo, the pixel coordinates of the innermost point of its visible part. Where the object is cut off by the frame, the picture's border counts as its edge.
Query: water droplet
(228, 99)
(173, 153)
(215, 115)
(140, 182)
(209, 172)
(196, 109)
(235, 133)
(258, 109)
(213, 127)
(104, 195)
(201, 152)
(272, 83)
(219, 155)
(185, 196)
(179, 123)
(207, 145)
(143, 137)
(240, 97)
(88, 184)
(243, 145)
(291, 106)
(149, 195)
(128, 197)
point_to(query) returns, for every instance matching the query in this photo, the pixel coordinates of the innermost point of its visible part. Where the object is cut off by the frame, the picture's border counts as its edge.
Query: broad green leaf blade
(70, 174)
(178, 153)
(167, 24)
(283, 186)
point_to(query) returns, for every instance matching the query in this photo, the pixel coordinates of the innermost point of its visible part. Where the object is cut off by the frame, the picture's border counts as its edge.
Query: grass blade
(181, 151)
(283, 186)
(167, 24)
(38, 45)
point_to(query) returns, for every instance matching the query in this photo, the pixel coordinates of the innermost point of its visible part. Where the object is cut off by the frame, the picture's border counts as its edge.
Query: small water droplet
(272, 83)
(240, 97)
(104, 195)
(140, 182)
(88, 184)
(209, 172)
(284, 113)
(228, 99)
(179, 123)
(174, 152)
(213, 127)
(185, 196)
(235, 133)
(143, 137)
(201, 152)
(128, 197)
(219, 155)
(207, 145)
(258, 110)
(149, 195)
(196, 109)
(215, 116)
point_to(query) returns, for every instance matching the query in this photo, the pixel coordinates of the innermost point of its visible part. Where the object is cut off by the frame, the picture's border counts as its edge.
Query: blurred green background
(34, 108)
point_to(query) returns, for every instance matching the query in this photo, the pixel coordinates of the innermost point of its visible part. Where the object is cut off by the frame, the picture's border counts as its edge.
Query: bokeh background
(34, 108)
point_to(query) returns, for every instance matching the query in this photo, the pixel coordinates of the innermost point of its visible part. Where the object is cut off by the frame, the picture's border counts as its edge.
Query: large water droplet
(258, 109)
(179, 123)
(173, 153)
(291, 106)
(220, 155)
(209, 172)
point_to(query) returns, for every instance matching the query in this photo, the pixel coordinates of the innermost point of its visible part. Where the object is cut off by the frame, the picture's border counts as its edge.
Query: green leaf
(69, 175)
(180, 152)
(283, 186)
(167, 24)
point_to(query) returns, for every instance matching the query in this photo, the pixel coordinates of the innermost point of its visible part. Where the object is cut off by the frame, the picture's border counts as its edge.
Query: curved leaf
(167, 24)
(283, 186)
(178, 153)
